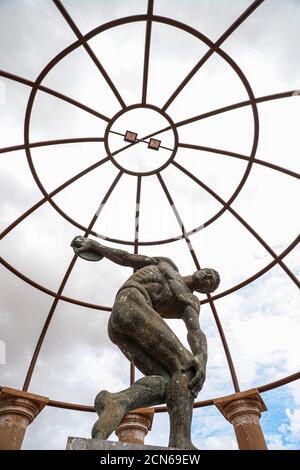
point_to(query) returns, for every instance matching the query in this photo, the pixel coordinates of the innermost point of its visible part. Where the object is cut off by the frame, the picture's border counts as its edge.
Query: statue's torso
(152, 279)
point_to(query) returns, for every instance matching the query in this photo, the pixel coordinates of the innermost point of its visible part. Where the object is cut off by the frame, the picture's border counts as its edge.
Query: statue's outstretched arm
(81, 244)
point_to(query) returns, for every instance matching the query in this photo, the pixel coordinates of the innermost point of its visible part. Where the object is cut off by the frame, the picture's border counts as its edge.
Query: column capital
(237, 404)
(12, 395)
(17, 410)
(135, 425)
(243, 410)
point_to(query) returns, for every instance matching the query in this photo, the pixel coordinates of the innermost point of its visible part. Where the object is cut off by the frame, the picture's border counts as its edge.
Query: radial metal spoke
(239, 156)
(55, 93)
(89, 50)
(45, 143)
(209, 298)
(61, 288)
(241, 104)
(252, 7)
(179, 220)
(147, 50)
(136, 247)
(242, 221)
(137, 214)
(213, 49)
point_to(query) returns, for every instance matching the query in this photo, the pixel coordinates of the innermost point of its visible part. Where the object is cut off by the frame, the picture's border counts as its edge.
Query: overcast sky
(261, 321)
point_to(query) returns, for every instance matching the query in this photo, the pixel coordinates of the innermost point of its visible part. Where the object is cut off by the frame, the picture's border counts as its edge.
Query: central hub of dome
(135, 142)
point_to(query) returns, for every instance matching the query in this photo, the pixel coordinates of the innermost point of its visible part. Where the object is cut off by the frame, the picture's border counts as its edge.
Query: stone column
(243, 410)
(135, 426)
(17, 410)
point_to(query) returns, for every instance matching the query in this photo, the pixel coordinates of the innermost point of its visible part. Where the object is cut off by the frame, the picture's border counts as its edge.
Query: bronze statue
(173, 374)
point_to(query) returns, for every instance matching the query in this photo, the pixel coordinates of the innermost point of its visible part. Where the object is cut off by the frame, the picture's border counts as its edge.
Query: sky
(261, 320)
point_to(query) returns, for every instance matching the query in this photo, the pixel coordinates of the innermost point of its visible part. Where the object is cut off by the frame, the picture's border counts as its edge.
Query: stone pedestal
(135, 426)
(243, 411)
(17, 410)
(81, 443)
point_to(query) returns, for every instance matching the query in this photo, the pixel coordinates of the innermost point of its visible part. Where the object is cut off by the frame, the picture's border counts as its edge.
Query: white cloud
(275, 442)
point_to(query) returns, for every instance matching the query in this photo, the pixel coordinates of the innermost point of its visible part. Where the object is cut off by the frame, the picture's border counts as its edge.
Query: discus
(88, 255)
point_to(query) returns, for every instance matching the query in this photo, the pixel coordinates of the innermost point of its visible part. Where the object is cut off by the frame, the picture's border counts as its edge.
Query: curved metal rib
(162, 409)
(52, 194)
(47, 291)
(242, 284)
(212, 305)
(242, 221)
(61, 288)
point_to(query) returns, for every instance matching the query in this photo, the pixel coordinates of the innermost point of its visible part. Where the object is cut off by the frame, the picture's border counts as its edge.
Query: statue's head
(205, 280)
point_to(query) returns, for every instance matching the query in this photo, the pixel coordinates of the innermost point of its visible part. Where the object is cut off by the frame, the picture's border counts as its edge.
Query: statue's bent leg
(148, 391)
(134, 317)
(149, 331)
(180, 408)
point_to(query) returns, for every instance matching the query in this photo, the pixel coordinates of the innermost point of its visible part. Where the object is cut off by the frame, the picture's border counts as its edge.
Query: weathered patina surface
(173, 374)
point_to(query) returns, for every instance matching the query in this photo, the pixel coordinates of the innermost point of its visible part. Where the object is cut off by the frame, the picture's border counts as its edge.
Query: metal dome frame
(213, 48)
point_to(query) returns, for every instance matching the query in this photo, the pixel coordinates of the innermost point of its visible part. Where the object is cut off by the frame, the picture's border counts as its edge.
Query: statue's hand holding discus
(85, 248)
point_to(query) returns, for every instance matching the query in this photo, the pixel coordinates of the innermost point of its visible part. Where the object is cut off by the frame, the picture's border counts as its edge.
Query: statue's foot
(96, 432)
(110, 411)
